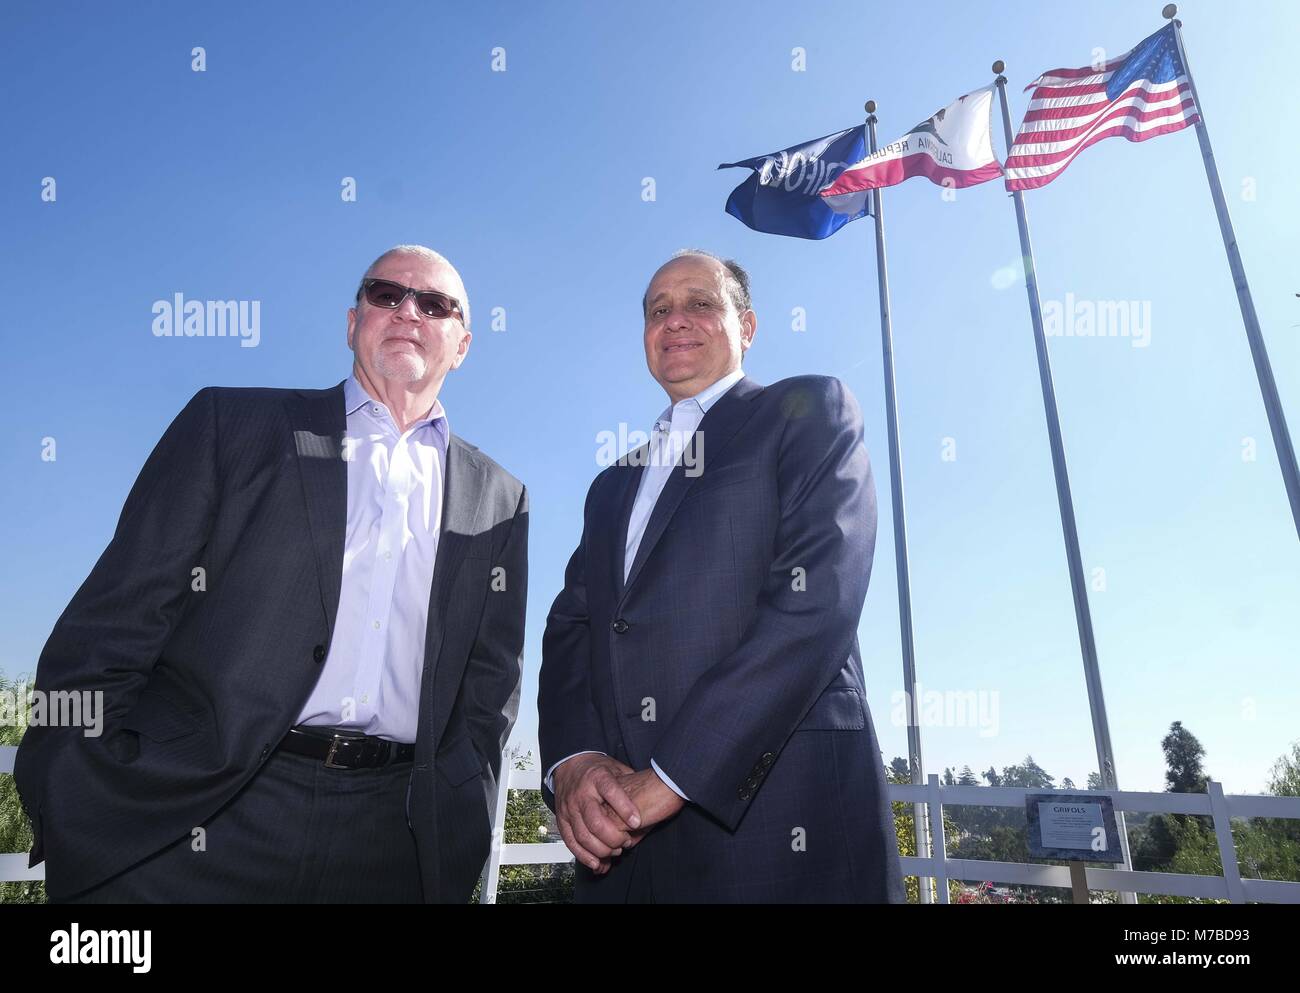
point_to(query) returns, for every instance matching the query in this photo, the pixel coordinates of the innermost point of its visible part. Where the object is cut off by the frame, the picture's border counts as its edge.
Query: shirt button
(620, 626)
(388, 555)
(376, 624)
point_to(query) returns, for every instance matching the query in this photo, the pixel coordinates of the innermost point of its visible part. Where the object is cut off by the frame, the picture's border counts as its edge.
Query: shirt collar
(708, 396)
(355, 397)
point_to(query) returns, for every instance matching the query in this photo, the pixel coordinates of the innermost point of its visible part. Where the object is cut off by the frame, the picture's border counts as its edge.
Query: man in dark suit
(307, 631)
(702, 710)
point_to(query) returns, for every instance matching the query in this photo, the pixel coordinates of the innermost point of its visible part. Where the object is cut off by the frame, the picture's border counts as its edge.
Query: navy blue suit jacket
(730, 657)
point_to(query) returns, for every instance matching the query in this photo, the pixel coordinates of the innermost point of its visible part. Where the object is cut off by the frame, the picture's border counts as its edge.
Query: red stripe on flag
(1067, 134)
(1084, 71)
(1034, 182)
(1084, 109)
(1081, 90)
(894, 171)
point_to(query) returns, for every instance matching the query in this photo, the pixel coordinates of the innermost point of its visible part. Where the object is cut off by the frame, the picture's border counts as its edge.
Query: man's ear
(461, 350)
(352, 325)
(748, 328)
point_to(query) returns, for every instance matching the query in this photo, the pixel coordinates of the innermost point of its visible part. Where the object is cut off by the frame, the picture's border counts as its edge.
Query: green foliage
(529, 820)
(1183, 754)
(905, 832)
(15, 829)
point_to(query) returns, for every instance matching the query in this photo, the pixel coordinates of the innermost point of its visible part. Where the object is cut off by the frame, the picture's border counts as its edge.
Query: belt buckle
(329, 757)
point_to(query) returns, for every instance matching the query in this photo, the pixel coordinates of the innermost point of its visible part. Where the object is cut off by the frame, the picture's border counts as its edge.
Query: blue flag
(781, 197)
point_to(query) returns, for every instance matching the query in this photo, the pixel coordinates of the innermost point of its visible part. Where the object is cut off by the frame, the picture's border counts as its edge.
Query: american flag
(1137, 96)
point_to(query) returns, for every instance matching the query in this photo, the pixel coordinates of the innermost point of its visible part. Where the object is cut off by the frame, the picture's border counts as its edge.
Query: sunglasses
(431, 303)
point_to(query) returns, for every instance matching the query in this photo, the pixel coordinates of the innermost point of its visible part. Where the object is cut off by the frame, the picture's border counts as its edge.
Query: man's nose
(408, 310)
(676, 321)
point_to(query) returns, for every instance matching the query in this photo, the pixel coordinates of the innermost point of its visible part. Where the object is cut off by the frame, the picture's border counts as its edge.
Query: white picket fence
(1215, 804)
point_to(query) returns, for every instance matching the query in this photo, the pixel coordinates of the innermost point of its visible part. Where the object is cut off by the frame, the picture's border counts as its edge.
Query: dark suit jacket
(199, 687)
(730, 657)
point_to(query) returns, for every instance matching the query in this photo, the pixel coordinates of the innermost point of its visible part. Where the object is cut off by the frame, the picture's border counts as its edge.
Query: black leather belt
(345, 750)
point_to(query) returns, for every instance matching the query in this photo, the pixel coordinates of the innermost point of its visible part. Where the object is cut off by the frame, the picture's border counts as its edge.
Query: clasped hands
(604, 807)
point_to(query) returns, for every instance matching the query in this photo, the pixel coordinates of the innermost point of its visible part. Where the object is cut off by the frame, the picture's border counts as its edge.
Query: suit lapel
(623, 496)
(318, 422)
(462, 503)
(716, 430)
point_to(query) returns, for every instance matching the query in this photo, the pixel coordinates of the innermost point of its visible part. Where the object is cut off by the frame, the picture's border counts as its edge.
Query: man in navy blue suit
(702, 709)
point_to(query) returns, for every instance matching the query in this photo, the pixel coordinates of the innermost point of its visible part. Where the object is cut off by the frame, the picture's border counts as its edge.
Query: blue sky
(225, 184)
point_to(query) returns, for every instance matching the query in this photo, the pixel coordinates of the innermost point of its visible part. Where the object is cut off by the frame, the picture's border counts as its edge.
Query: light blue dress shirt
(370, 681)
(670, 438)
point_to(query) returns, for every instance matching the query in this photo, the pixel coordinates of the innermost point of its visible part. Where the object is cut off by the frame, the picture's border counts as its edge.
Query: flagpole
(1082, 616)
(1263, 370)
(919, 819)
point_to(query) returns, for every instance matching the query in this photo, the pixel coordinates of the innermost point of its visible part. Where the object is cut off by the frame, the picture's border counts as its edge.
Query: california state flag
(954, 148)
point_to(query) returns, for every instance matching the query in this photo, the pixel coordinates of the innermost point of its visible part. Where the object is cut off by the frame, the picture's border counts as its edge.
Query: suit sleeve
(567, 722)
(114, 629)
(749, 703)
(495, 668)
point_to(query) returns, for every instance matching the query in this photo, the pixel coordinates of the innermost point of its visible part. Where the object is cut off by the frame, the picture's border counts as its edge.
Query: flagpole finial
(999, 67)
(1170, 11)
(870, 107)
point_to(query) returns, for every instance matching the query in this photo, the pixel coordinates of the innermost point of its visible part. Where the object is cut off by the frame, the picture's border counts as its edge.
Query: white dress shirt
(370, 681)
(672, 434)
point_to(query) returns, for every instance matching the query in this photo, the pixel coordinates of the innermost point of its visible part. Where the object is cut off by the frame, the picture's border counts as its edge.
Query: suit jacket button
(767, 759)
(620, 626)
(743, 793)
(266, 750)
(318, 653)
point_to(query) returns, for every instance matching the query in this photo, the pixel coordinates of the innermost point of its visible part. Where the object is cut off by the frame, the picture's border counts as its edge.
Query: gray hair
(736, 278)
(428, 255)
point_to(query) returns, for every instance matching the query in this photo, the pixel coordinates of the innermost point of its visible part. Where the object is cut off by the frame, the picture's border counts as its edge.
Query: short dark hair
(737, 279)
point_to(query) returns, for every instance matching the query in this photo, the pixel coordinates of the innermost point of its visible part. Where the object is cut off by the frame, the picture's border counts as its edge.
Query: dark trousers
(298, 832)
(631, 882)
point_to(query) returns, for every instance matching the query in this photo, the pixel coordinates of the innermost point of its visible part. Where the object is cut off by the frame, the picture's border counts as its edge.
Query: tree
(15, 829)
(1269, 847)
(1284, 776)
(1284, 780)
(1183, 754)
(1169, 840)
(905, 831)
(1028, 775)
